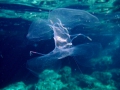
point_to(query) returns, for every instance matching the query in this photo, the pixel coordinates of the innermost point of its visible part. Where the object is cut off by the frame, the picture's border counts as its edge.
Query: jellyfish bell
(57, 27)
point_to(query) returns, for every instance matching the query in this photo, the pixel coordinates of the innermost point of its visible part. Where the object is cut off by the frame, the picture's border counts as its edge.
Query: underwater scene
(60, 45)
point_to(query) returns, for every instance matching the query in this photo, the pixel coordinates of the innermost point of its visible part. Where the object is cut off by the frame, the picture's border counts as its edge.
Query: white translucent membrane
(56, 27)
(39, 30)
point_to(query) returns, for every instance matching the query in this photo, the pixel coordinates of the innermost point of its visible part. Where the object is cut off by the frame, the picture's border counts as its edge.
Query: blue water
(15, 50)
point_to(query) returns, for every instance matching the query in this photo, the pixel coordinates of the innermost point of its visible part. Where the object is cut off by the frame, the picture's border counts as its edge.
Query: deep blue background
(15, 48)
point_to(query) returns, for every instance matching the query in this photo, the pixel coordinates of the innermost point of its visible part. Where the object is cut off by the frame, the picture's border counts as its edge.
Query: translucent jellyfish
(56, 27)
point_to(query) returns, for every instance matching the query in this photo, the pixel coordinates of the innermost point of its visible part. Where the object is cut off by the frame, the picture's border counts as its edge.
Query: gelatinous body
(39, 30)
(68, 18)
(73, 17)
(56, 26)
